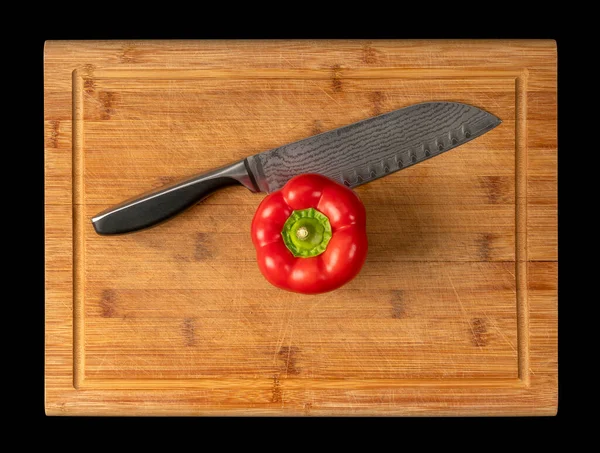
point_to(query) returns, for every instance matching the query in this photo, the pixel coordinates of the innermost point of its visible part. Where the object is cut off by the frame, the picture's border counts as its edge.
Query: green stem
(306, 232)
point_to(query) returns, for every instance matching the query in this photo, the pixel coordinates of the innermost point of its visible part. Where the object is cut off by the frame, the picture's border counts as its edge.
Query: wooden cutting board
(454, 312)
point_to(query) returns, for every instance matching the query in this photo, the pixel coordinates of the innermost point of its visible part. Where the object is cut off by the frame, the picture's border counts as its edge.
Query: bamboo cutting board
(454, 312)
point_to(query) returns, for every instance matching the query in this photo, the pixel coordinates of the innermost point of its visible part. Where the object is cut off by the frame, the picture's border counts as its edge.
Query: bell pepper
(310, 236)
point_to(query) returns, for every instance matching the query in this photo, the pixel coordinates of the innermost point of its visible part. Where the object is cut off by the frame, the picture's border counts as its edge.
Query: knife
(353, 155)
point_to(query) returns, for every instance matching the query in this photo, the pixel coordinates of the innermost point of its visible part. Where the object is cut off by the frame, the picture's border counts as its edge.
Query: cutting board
(454, 312)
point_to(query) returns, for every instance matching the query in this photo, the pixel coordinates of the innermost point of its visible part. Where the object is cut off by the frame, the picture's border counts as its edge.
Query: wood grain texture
(454, 313)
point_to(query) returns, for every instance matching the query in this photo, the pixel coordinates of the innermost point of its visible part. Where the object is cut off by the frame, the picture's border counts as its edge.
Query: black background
(24, 71)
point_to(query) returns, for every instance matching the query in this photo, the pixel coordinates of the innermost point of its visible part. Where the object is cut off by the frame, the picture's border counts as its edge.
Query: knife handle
(158, 205)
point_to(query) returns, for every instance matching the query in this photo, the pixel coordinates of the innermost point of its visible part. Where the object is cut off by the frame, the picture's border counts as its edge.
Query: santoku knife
(353, 155)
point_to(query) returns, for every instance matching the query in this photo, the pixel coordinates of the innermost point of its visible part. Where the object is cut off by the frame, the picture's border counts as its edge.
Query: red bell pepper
(310, 236)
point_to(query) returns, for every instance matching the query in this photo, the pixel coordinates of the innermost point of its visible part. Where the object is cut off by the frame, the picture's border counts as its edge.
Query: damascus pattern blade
(375, 147)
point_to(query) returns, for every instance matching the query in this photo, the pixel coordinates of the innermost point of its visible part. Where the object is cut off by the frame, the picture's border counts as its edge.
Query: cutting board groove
(458, 310)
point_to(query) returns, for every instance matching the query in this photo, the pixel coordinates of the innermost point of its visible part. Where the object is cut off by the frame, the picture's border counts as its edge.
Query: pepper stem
(306, 233)
(302, 233)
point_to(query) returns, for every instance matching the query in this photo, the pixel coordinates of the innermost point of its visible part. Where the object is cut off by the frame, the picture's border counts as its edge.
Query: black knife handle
(158, 205)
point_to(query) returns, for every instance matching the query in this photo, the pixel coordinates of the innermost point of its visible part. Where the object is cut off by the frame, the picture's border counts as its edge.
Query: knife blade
(352, 155)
